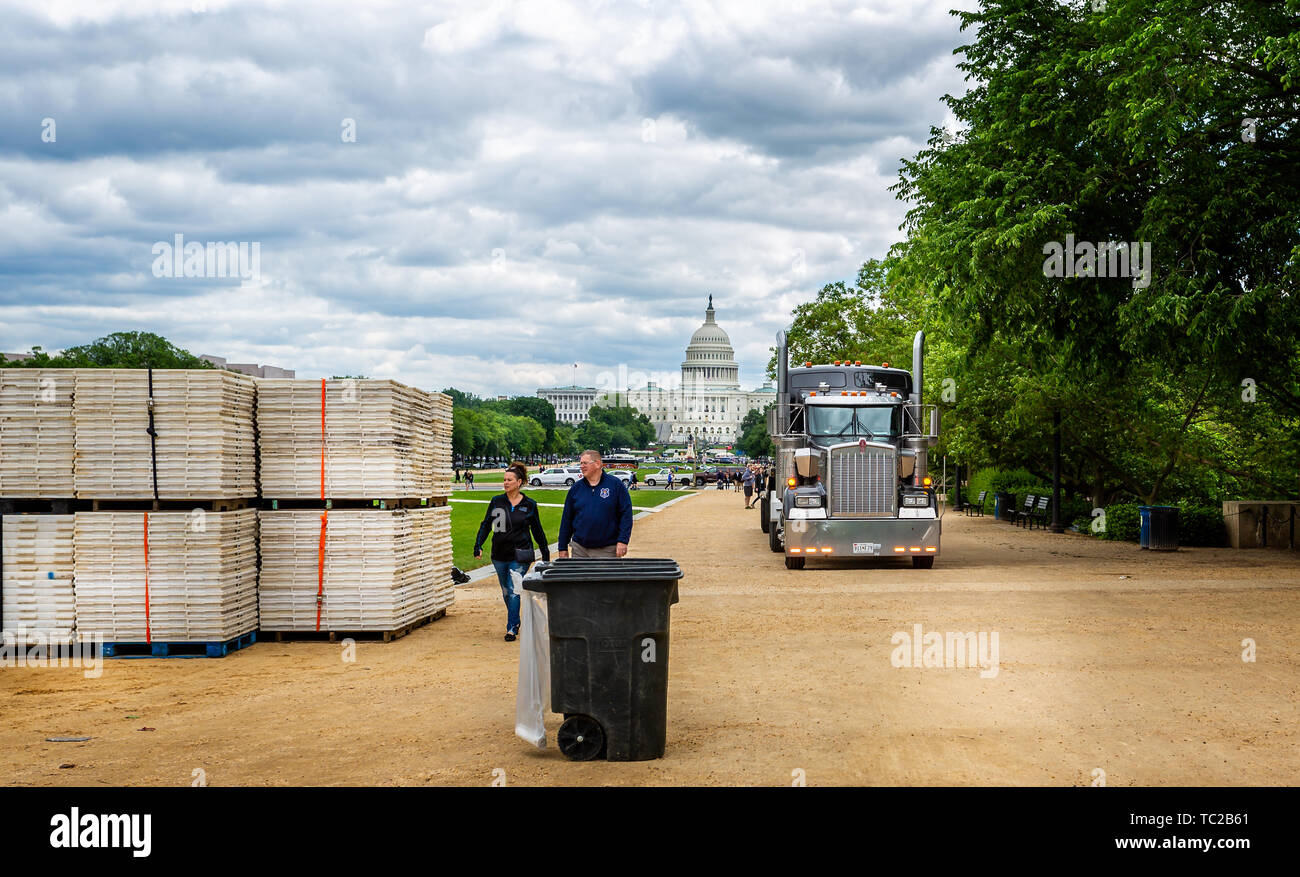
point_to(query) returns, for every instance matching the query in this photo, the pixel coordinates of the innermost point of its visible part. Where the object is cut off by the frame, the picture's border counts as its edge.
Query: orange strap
(324, 515)
(148, 634)
(320, 566)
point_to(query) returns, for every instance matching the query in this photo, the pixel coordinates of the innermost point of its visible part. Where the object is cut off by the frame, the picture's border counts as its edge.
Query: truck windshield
(835, 421)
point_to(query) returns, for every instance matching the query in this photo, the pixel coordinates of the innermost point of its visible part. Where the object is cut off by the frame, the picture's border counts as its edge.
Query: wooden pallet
(41, 506)
(170, 505)
(351, 504)
(179, 649)
(285, 636)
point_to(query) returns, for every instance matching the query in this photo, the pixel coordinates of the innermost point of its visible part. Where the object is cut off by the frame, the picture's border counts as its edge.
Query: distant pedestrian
(597, 516)
(469, 479)
(670, 480)
(748, 479)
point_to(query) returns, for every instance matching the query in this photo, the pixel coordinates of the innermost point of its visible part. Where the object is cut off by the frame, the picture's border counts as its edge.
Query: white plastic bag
(533, 700)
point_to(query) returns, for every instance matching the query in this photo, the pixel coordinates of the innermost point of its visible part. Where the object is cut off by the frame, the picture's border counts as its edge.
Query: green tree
(754, 440)
(118, 350)
(1115, 122)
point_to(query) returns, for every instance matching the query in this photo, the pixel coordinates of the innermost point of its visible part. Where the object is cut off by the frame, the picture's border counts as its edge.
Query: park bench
(977, 507)
(1040, 512)
(1023, 513)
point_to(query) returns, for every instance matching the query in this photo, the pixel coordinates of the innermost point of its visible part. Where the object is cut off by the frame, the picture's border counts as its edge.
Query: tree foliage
(118, 350)
(1160, 124)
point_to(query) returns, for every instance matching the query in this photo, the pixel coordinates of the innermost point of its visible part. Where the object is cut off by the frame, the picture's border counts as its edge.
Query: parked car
(561, 475)
(706, 476)
(624, 475)
(660, 477)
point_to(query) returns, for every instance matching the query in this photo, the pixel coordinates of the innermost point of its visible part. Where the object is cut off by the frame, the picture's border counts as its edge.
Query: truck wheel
(650, 482)
(774, 538)
(568, 482)
(794, 562)
(764, 509)
(922, 562)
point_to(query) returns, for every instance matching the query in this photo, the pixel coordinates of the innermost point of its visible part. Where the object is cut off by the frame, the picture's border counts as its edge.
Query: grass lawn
(466, 516)
(641, 499)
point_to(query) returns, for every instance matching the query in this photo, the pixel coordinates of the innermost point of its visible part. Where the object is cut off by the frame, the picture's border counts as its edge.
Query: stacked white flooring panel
(442, 462)
(383, 569)
(37, 439)
(205, 444)
(379, 439)
(37, 585)
(202, 575)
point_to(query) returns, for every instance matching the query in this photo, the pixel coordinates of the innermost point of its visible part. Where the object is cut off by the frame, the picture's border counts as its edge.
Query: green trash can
(609, 653)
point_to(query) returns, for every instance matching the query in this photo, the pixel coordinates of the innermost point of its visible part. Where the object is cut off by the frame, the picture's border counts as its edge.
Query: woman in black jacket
(514, 522)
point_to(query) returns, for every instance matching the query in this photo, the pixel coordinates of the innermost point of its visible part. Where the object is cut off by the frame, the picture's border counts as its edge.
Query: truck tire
(764, 509)
(568, 482)
(773, 539)
(650, 482)
(922, 563)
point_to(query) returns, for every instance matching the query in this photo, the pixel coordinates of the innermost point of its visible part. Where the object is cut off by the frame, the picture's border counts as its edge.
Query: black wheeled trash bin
(609, 653)
(1158, 527)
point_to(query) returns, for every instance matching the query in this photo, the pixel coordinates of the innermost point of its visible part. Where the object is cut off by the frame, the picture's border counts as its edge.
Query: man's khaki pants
(576, 550)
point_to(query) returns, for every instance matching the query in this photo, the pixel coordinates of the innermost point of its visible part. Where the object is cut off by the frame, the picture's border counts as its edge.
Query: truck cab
(851, 443)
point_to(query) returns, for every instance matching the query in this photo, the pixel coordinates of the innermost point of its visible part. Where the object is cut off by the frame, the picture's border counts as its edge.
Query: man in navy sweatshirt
(597, 518)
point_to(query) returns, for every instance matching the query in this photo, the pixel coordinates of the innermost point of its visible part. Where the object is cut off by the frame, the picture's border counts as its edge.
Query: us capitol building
(709, 405)
(707, 408)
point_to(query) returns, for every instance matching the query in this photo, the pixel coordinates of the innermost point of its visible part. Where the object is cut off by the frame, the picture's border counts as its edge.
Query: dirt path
(1108, 658)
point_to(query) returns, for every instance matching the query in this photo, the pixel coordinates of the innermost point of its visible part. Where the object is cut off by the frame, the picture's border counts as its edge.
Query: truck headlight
(919, 500)
(808, 502)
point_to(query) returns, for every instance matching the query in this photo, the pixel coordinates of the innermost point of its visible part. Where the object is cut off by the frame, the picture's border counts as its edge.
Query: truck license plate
(866, 547)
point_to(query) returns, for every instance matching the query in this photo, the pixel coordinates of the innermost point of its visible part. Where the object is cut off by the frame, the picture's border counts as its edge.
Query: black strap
(153, 438)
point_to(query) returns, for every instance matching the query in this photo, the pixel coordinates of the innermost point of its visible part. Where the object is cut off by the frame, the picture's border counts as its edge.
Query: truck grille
(863, 482)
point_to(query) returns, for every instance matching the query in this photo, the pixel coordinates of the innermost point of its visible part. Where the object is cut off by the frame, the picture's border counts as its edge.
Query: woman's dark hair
(520, 472)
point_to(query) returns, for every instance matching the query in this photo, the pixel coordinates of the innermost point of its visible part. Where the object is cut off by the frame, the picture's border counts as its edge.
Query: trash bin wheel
(794, 562)
(922, 562)
(581, 738)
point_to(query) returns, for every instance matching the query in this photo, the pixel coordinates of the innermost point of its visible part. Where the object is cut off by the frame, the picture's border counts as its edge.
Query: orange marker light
(884, 365)
(826, 551)
(796, 550)
(857, 362)
(899, 549)
(916, 549)
(927, 481)
(807, 365)
(844, 392)
(791, 482)
(931, 548)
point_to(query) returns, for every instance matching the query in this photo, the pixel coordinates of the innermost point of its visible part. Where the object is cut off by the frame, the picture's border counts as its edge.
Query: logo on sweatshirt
(604, 493)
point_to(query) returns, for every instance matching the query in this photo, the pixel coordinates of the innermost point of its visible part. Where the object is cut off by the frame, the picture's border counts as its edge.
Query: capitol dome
(710, 359)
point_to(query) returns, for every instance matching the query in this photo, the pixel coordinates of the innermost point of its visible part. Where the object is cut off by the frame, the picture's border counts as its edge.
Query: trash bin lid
(583, 569)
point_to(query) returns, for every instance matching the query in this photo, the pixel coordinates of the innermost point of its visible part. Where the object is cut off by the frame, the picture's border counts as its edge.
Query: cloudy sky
(471, 194)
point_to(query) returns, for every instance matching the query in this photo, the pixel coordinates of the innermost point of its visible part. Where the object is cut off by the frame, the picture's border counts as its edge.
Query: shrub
(1122, 522)
(1200, 525)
